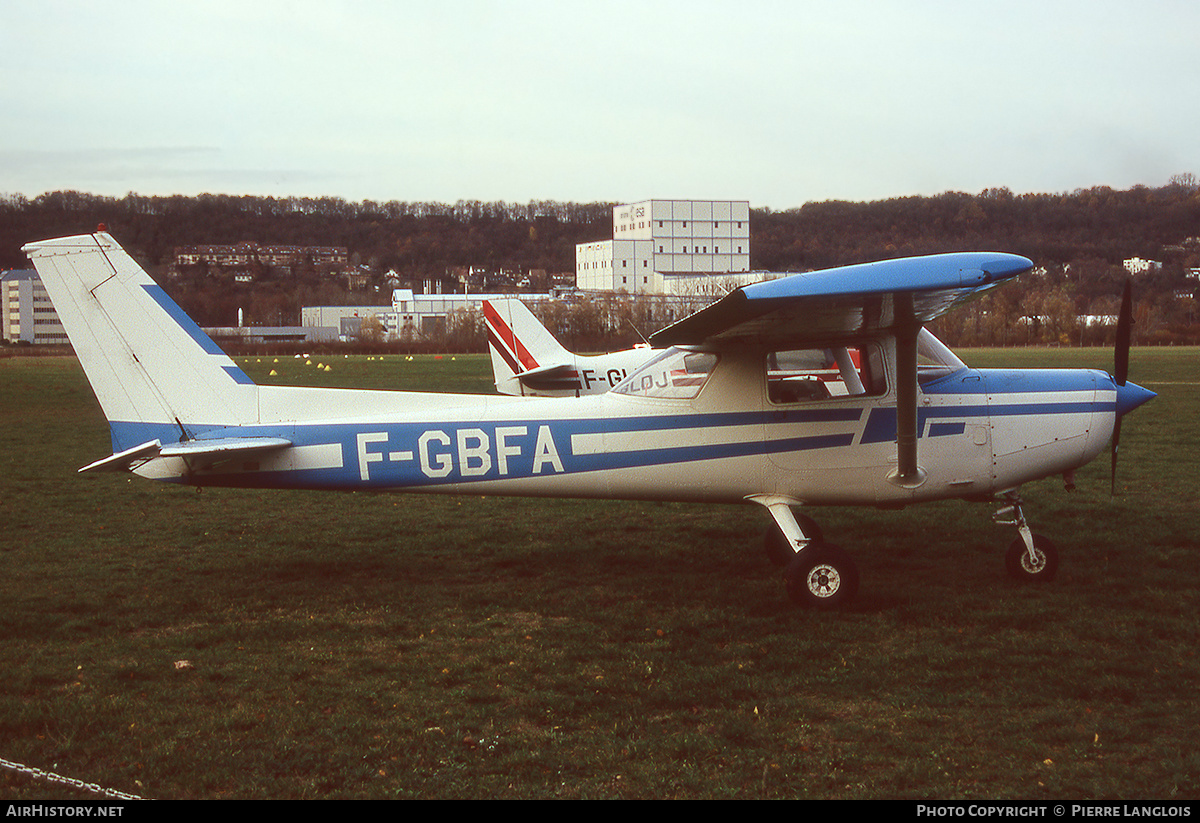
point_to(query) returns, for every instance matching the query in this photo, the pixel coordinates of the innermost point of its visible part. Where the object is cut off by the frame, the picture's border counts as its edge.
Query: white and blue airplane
(723, 412)
(528, 360)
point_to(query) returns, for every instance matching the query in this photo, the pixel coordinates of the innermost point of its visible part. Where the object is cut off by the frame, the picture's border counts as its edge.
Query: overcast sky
(778, 103)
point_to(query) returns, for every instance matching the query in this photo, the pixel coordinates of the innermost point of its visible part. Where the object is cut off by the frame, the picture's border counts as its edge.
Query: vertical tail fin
(155, 373)
(519, 343)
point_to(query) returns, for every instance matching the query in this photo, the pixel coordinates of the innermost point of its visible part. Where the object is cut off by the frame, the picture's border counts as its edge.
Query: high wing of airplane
(724, 413)
(528, 360)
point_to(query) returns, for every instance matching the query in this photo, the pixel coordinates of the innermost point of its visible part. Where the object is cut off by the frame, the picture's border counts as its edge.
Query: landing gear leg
(789, 534)
(1031, 556)
(817, 574)
(780, 550)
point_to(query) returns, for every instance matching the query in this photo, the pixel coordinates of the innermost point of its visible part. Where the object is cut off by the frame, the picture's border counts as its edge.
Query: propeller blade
(1124, 327)
(1121, 368)
(1116, 445)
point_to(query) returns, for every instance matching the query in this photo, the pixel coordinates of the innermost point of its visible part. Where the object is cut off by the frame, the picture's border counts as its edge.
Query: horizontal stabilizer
(224, 446)
(558, 369)
(122, 461)
(561, 377)
(191, 450)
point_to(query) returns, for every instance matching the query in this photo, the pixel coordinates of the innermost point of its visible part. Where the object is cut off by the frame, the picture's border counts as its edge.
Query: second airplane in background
(528, 360)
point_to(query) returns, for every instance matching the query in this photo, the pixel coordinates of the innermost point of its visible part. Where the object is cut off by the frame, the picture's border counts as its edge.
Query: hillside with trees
(1077, 240)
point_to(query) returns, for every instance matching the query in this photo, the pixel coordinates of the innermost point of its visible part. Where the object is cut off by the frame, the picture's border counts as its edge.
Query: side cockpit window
(806, 375)
(675, 374)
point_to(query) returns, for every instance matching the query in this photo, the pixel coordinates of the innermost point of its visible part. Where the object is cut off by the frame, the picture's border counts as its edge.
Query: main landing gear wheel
(1042, 566)
(822, 576)
(779, 550)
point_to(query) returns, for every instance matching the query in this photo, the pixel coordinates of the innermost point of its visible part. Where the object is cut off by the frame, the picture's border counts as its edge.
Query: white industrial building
(26, 311)
(672, 247)
(679, 249)
(410, 313)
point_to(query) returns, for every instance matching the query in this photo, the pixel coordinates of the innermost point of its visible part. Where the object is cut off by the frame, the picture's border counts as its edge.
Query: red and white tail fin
(519, 344)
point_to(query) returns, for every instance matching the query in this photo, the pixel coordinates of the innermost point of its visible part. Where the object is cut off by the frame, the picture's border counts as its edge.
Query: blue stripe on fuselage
(429, 453)
(433, 453)
(881, 423)
(994, 385)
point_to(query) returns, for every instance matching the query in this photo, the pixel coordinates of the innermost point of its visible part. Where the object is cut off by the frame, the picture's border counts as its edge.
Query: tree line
(1077, 240)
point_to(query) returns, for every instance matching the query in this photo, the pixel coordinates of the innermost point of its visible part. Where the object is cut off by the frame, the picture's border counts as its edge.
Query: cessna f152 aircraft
(528, 360)
(723, 413)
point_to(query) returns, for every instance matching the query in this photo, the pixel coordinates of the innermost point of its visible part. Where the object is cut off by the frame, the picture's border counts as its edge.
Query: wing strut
(907, 474)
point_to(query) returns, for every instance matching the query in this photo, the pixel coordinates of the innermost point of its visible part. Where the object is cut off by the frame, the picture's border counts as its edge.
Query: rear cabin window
(807, 375)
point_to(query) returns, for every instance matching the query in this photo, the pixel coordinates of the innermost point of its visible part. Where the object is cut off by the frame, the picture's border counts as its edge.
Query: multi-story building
(240, 257)
(26, 311)
(675, 247)
(1139, 265)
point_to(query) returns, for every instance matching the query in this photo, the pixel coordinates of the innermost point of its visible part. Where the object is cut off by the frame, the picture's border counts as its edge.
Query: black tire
(779, 550)
(822, 576)
(1016, 560)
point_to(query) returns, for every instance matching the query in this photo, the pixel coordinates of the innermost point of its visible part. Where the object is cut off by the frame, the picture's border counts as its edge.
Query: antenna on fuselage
(637, 331)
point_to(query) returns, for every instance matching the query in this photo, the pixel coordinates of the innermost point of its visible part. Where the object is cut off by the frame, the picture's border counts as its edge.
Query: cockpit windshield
(934, 359)
(675, 374)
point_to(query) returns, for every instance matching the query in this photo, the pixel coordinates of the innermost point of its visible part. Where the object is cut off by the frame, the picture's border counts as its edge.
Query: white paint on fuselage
(725, 444)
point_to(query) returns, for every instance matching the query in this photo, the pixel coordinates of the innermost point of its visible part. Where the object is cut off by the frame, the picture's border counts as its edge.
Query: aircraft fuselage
(980, 431)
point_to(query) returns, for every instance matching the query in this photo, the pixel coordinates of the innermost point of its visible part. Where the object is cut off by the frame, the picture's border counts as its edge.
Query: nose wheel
(1031, 557)
(1040, 563)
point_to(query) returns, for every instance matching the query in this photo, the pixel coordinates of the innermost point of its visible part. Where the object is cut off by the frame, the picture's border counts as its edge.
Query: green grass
(388, 646)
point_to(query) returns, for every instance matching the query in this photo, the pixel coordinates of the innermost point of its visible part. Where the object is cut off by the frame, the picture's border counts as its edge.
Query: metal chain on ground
(51, 777)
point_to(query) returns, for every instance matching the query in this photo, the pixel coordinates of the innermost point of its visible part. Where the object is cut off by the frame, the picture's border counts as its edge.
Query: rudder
(154, 371)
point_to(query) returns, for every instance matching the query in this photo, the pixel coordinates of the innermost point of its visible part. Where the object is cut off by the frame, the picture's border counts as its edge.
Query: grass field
(247, 644)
